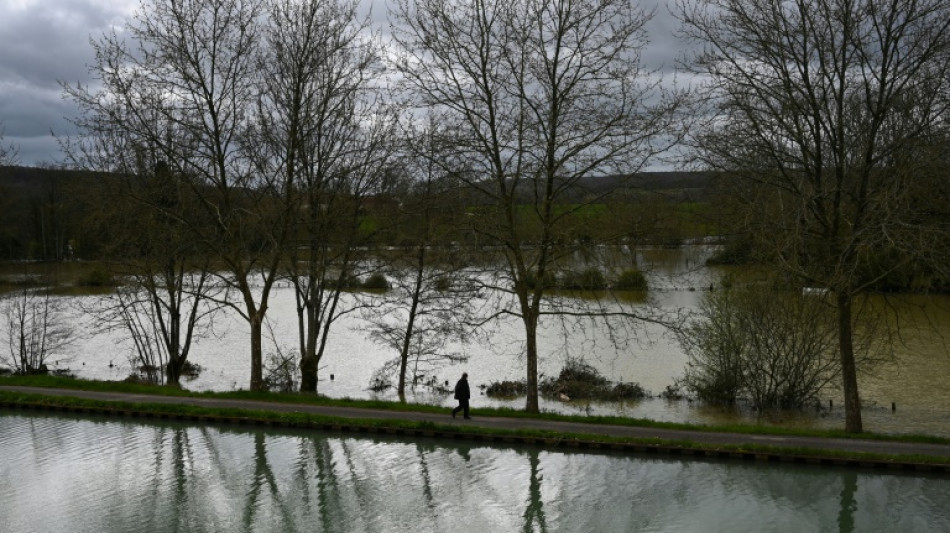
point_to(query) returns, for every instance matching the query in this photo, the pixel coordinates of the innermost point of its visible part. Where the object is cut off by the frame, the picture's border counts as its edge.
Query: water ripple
(88, 475)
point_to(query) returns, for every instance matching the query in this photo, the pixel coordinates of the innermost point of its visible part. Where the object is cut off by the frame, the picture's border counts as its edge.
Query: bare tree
(185, 87)
(537, 97)
(34, 329)
(821, 110)
(323, 129)
(429, 306)
(166, 298)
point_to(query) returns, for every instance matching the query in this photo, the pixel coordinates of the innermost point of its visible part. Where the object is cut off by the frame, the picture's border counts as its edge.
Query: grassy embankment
(310, 420)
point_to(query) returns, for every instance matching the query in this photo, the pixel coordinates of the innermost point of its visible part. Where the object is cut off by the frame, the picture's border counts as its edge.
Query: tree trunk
(175, 359)
(531, 347)
(852, 401)
(309, 322)
(411, 321)
(173, 370)
(257, 367)
(308, 373)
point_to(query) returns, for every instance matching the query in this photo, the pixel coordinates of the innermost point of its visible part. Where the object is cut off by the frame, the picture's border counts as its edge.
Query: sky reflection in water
(90, 475)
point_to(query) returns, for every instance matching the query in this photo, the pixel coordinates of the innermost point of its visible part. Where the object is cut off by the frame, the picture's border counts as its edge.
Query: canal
(87, 474)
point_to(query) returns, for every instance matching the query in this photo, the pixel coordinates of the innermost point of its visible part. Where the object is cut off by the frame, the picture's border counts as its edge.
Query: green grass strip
(560, 439)
(316, 399)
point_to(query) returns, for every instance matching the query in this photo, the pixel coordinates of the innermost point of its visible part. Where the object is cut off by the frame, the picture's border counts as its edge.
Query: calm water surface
(74, 474)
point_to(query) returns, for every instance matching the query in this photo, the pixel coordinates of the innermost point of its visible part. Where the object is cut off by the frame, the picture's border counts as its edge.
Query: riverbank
(866, 452)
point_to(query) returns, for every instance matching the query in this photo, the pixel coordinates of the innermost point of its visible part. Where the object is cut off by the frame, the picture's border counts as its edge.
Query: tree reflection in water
(83, 475)
(534, 510)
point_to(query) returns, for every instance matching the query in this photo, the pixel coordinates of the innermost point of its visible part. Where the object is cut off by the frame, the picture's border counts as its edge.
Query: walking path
(781, 448)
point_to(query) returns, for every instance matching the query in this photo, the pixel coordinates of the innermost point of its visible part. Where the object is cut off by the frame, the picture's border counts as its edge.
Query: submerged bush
(631, 280)
(736, 251)
(376, 281)
(281, 372)
(506, 389)
(774, 349)
(590, 279)
(96, 278)
(627, 391)
(579, 380)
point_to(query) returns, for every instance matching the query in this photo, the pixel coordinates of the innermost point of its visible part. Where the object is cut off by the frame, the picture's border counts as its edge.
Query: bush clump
(97, 278)
(770, 349)
(589, 279)
(631, 280)
(627, 391)
(281, 372)
(579, 380)
(376, 282)
(506, 389)
(736, 251)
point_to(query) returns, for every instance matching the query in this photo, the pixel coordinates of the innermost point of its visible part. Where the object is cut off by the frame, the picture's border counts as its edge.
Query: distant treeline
(50, 214)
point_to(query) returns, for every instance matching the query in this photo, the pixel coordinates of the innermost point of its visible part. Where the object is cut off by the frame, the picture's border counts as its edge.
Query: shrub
(506, 389)
(443, 284)
(96, 278)
(589, 279)
(736, 251)
(376, 281)
(576, 380)
(631, 280)
(281, 372)
(33, 330)
(580, 380)
(379, 383)
(672, 392)
(628, 391)
(777, 350)
(190, 370)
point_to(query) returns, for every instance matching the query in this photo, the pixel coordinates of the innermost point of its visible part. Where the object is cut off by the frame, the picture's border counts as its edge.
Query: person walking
(462, 394)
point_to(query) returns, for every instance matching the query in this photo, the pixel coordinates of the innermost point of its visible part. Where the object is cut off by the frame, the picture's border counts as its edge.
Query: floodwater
(913, 383)
(89, 474)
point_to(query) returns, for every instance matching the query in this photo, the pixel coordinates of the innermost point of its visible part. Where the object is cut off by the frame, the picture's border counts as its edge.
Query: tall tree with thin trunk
(166, 299)
(33, 330)
(820, 113)
(427, 308)
(324, 130)
(184, 84)
(537, 96)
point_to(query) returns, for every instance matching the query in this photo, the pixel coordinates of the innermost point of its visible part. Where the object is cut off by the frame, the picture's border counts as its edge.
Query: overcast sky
(45, 42)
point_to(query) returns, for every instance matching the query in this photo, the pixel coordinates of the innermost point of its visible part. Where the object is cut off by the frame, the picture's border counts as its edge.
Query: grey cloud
(42, 44)
(36, 151)
(31, 110)
(47, 42)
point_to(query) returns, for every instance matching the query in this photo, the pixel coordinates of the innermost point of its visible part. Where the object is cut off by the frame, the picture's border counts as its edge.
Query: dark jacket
(461, 390)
